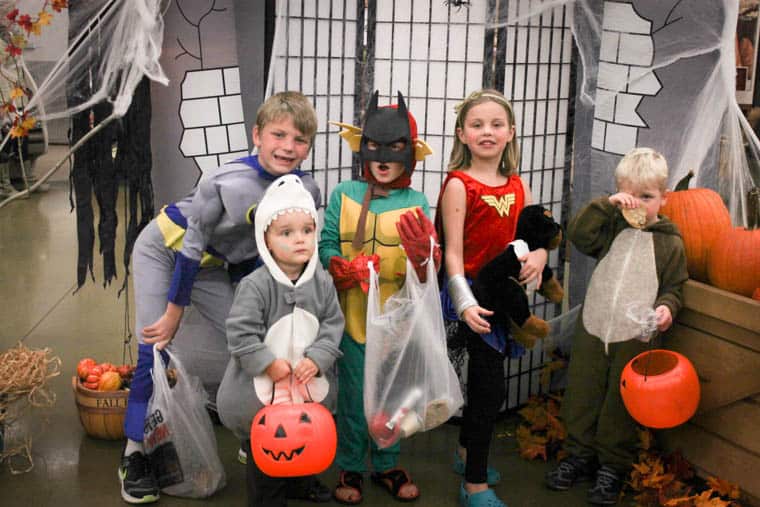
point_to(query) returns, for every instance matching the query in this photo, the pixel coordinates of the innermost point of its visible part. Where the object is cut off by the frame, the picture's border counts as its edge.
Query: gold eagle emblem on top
(502, 204)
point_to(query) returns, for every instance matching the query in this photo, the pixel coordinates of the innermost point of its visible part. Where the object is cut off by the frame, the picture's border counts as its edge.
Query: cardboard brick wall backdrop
(657, 74)
(203, 118)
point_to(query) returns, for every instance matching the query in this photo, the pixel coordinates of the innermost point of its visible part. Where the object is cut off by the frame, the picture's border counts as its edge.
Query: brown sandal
(349, 488)
(398, 483)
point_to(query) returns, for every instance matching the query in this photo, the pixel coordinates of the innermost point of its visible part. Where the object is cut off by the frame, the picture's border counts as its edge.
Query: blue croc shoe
(493, 477)
(485, 498)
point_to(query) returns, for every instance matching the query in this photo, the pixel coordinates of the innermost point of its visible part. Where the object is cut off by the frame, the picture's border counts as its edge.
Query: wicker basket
(101, 412)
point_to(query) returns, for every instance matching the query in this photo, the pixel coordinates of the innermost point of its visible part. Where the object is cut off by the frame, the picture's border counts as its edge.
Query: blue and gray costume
(181, 257)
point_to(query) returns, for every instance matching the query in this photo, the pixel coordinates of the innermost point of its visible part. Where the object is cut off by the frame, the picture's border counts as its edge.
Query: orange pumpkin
(660, 388)
(701, 216)
(734, 259)
(293, 440)
(109, 381)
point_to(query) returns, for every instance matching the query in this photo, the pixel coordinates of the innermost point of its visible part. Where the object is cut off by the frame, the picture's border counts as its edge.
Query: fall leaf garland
(17, 28)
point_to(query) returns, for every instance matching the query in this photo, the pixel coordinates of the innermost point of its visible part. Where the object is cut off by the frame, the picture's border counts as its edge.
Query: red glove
(348, 274)
(415, 232)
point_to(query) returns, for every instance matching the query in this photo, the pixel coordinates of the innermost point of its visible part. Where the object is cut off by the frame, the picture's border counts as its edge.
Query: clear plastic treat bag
(409, 383)
(179, 435)
(645, 317)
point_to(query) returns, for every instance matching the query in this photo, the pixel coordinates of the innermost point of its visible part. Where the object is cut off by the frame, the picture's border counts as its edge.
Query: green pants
(353, 435)
(598, 424)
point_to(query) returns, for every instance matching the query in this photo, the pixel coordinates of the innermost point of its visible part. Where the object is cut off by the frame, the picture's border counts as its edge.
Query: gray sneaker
(606, 490)
(569, 471)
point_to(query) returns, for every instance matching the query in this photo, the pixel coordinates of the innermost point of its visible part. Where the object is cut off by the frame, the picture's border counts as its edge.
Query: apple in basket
(104, 376)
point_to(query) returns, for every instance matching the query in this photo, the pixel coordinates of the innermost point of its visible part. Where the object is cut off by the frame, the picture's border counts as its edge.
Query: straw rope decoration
(24, 373)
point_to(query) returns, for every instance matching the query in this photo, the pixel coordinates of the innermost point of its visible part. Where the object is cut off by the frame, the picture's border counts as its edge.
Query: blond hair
(642, 167)
(294, 104)
(461, 157)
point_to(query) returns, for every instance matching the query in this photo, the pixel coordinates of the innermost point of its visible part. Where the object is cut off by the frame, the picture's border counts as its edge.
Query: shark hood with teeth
(286, 194)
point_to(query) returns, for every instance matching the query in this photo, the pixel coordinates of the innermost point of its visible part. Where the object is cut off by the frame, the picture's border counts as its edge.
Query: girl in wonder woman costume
(479, 203)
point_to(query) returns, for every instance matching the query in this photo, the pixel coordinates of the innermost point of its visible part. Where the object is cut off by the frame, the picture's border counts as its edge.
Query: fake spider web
(659, 74)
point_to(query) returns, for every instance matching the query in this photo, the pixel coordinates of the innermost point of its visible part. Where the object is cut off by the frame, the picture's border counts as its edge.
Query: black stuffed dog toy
(497, 287)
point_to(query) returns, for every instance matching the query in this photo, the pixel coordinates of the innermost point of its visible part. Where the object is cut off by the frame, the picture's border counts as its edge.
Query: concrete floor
(37, 278)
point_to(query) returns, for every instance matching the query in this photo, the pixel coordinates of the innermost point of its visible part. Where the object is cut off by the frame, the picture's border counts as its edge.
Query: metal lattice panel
(537, 64)
(433, 54)
(315, 53)
(339, 51)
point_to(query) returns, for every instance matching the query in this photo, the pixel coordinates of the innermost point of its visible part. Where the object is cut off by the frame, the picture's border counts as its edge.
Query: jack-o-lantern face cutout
(293, 440)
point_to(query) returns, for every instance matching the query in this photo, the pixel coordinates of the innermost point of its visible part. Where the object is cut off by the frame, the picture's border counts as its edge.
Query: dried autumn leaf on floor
(648, 498)
(704, 500)
(535, 415)
(676, 490)
(684, 501)
(543, 432)
(552, 405)
(531, 445)
(655, 484)
(548, 369)
(724, 487)
(658, 482)
(679, 466)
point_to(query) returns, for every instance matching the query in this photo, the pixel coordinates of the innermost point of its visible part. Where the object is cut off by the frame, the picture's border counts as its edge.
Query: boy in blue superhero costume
(179, 258)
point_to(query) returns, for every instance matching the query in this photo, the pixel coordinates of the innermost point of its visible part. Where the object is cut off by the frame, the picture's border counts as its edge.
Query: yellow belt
(174, 235)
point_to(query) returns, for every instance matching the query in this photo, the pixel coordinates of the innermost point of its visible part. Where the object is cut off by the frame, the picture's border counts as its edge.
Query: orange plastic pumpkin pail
(660, 388)
(293, 440)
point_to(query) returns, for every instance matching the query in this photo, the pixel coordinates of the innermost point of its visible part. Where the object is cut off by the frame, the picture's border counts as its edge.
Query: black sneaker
(606, 491)
(569, 471)
(138, 485)
(311, 489)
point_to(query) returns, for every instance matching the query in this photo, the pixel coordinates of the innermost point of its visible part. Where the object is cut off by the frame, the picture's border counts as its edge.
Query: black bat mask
(385, 126)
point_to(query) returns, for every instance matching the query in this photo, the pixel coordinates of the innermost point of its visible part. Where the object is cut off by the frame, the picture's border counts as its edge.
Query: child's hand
(473, 317)
(624, 200)
(348, 274)
(162, 331)
(305, 370)
(278, 370)
(415, 230)
(533, 266)
(664, 317)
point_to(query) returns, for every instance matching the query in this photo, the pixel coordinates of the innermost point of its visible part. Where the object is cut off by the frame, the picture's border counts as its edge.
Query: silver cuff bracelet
(461, 294)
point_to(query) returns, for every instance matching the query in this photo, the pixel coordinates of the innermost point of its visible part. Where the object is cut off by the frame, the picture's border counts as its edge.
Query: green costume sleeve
(593, 228)
(329, 240)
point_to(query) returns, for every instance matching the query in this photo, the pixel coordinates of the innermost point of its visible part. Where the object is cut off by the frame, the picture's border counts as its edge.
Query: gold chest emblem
(502, 204)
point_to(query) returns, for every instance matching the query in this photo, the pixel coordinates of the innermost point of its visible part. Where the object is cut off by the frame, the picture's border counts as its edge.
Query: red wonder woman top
(490, 218)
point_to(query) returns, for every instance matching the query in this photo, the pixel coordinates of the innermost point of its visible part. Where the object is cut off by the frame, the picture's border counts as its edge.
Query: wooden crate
(720, 333)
